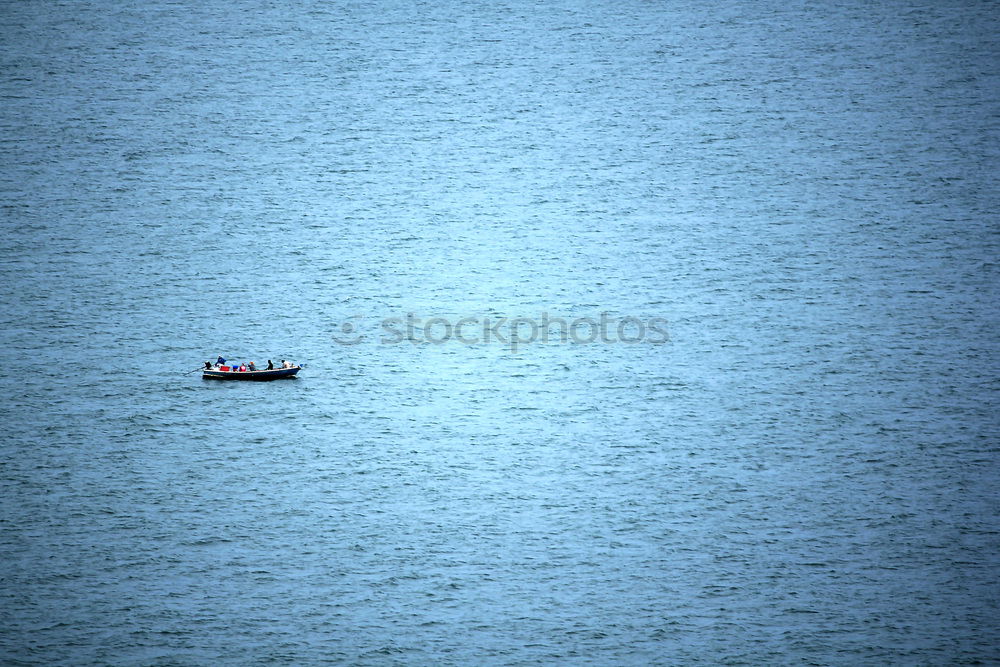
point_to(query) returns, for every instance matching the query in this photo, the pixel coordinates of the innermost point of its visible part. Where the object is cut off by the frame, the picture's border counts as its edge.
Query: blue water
(801, 471)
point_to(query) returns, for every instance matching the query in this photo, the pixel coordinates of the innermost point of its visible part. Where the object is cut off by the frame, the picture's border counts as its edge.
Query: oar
(200, 368)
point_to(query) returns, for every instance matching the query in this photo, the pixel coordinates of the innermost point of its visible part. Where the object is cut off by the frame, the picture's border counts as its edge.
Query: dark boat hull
(258, 376)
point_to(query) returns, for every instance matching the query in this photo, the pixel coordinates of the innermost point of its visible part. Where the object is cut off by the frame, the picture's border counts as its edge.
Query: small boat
(230, 373)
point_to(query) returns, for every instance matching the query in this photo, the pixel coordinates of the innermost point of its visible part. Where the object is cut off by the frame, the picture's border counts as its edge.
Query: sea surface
(634, 332)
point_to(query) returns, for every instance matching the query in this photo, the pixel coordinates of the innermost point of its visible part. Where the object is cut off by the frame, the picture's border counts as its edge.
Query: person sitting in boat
(208, 365)
(285, 364)
(220, 361)
(252, 366)
(243, 368)
(270, 365)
